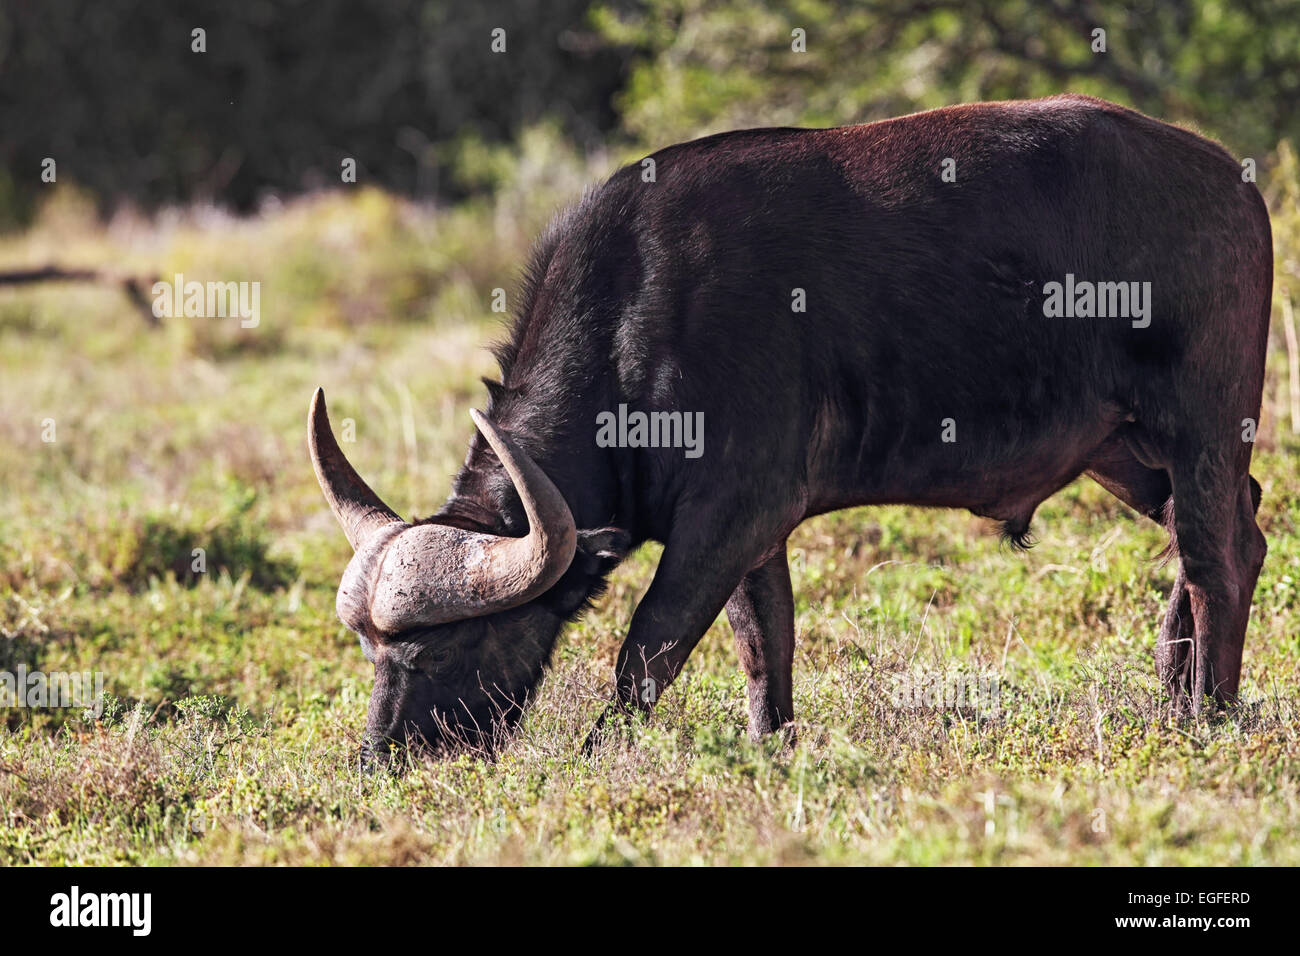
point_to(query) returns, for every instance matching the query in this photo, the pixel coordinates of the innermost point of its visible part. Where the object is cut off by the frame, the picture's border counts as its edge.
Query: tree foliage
(117, 95)
(700, 66)
(287, 89)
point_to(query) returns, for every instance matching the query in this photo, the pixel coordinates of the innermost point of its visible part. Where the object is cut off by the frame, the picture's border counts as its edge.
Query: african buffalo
(968, 307)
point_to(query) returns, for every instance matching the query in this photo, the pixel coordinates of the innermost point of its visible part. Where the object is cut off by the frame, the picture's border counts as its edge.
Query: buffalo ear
(496, 391)
(604, 545)
(597, 553)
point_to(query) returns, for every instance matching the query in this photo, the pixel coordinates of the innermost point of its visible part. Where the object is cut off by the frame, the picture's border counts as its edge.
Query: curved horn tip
(319, 430)
(358, 509)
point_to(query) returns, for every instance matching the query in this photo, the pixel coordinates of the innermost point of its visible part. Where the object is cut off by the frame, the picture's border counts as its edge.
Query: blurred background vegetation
(412, 90)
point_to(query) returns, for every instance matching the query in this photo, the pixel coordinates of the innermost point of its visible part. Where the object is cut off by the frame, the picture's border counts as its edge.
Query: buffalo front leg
(761, 612)
(701, 567)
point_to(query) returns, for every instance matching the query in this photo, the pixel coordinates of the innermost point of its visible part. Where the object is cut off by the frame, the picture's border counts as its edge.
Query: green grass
(238, 698)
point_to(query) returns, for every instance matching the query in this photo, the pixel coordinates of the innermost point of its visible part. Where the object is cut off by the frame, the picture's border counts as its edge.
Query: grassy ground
(238, 698)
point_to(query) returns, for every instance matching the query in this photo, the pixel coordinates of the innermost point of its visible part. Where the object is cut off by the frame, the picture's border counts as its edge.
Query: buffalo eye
(438, 658)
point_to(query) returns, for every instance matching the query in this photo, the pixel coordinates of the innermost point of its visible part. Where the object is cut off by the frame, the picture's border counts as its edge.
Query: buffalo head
(450, 617)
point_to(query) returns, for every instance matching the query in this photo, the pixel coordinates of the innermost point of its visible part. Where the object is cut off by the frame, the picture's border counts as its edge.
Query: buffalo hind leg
(761, 612)
(1245, 551)
(1249, 552)
(1149, 492)
(1222, 551)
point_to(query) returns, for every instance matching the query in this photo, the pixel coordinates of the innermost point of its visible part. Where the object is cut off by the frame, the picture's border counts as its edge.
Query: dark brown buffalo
(927, 368)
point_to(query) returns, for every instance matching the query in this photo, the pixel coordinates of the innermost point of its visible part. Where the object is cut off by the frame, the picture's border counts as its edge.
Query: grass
(237, 698)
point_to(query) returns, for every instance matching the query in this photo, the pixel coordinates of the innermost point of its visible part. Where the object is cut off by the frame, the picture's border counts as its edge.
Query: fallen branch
(133, 286)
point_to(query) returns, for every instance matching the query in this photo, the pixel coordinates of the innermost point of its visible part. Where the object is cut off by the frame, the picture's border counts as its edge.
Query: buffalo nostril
(377, 754)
